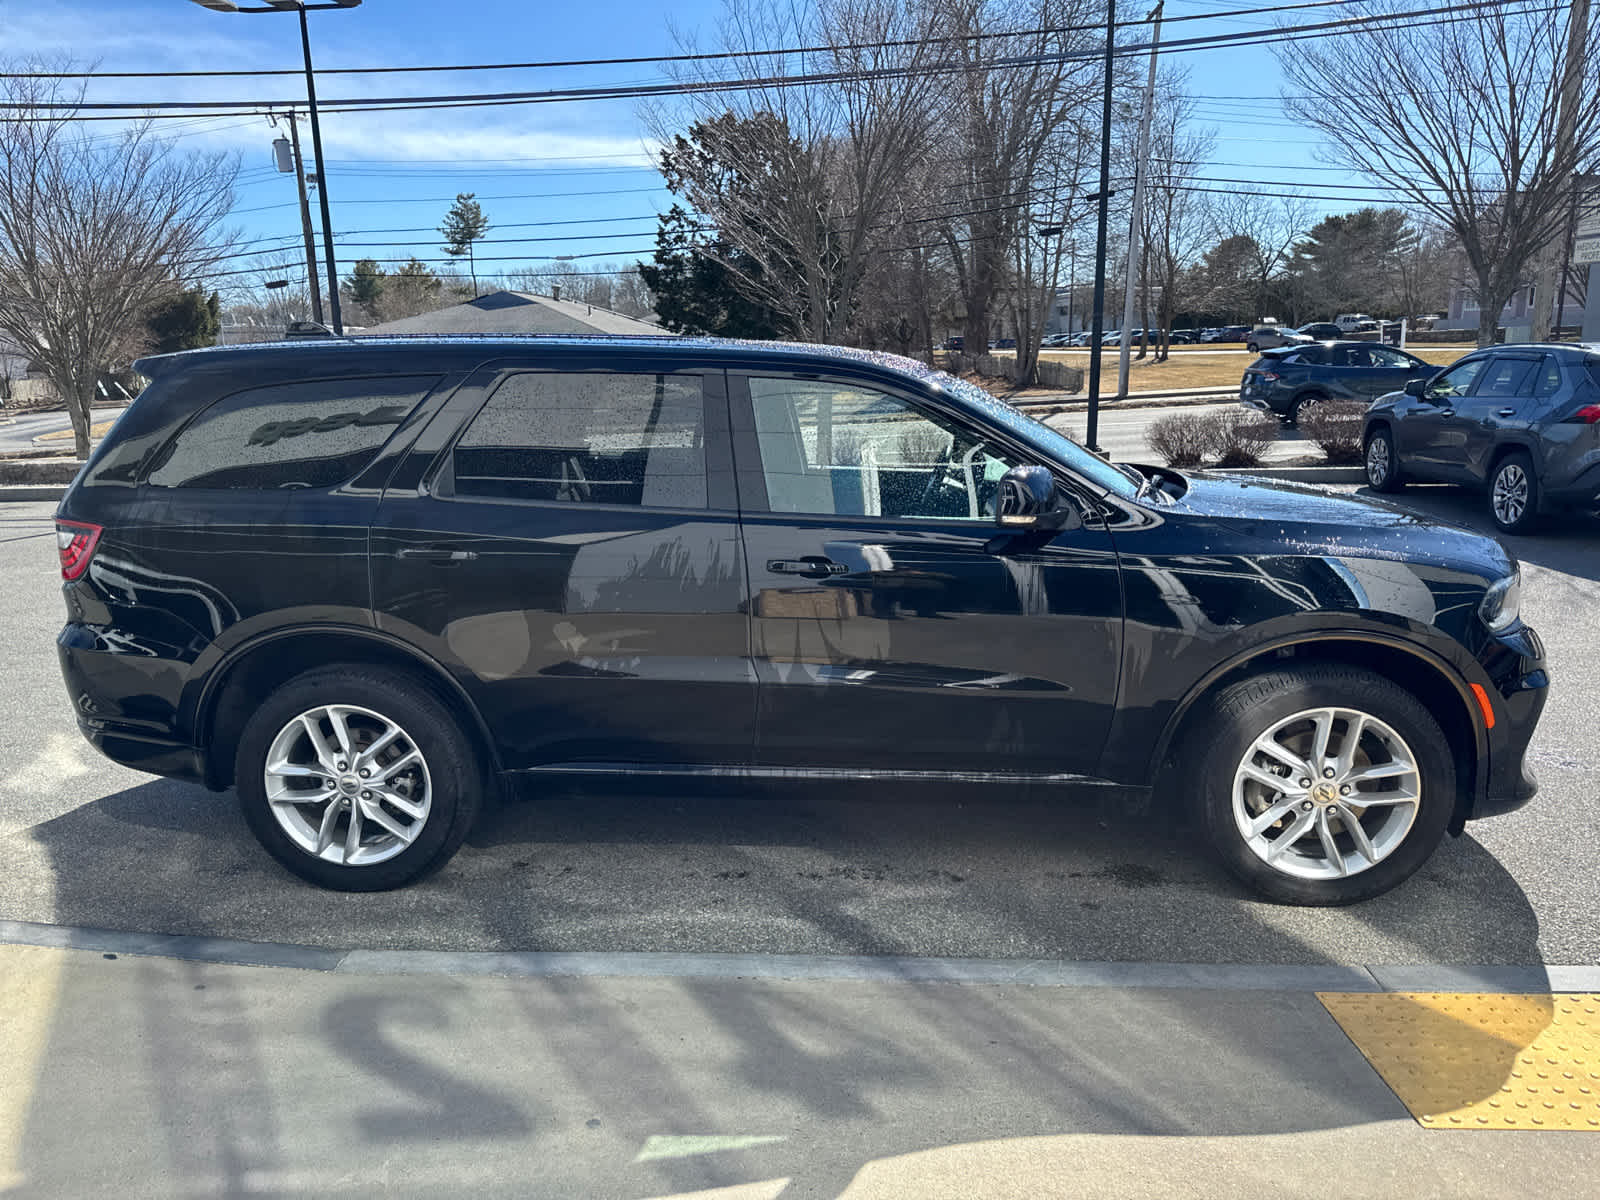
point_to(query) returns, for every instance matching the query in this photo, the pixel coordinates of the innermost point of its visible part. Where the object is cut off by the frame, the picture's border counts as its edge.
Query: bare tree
(799, 177)
(1010, 99)
(94, 231)
(1463, 118)
(1177, 218)
(1273, 224)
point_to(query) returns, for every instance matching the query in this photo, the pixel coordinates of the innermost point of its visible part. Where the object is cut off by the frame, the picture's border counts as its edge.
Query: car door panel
(884, 641)
(1433, 440)
(586, 587)
(1503, 393)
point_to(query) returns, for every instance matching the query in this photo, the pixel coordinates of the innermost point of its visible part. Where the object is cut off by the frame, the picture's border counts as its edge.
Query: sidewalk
(721, 1078)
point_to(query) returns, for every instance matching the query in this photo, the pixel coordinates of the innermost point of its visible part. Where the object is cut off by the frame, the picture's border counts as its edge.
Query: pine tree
(463, 225)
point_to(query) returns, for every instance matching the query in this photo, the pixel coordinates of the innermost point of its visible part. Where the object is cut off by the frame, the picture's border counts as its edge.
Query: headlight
(1502, 603)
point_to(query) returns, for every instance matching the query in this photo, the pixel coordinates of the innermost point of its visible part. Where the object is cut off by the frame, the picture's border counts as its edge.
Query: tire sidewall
(454, 780)
(1248, 709)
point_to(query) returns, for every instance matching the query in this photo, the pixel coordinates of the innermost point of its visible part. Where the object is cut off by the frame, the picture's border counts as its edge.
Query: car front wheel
(1383, 467)
(1514, 494)
(1323, 785)
(357, 778)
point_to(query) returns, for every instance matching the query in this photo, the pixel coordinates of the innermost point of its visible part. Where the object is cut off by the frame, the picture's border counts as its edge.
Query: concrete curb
(845, 968)
(31, 491)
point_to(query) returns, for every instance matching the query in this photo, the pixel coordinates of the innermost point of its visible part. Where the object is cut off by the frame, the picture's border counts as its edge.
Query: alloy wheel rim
(1377, 460)
(1510, 494)
(1326, 793)
(348, 785)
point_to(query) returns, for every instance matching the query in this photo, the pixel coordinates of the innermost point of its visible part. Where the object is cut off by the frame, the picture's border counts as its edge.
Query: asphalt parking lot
(915, 871)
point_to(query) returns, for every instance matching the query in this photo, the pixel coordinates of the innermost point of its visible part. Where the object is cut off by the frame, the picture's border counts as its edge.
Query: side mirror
(1028, 500)
(1417, 388)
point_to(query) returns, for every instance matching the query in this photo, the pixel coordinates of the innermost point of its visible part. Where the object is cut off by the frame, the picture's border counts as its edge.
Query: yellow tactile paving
(30, 977)
(1480, 1060)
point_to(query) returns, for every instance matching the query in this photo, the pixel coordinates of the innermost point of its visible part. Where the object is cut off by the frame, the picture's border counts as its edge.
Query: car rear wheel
(1383, 467)
(1253, 348)
(357, 778)
(1301, 403)
(1514, 493)
(1323, 785)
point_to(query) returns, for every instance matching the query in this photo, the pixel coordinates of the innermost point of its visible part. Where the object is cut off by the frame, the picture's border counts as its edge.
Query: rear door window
(599, 437)
(310, 434)
(1506, 378)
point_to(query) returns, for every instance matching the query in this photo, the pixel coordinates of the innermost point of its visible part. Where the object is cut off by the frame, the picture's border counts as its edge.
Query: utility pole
(322, 179)
(1098, 321)
(1552, 277)
(1141, 168)
(305, 220)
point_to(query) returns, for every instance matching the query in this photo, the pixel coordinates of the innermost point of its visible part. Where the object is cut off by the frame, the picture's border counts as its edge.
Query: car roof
(330, 349)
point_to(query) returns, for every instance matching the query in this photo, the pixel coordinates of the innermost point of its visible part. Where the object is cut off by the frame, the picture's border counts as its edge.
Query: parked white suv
(1355, 322)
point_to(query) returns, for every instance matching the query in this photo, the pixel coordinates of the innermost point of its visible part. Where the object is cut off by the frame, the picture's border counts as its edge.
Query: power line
(1446, 14)
(709, 56)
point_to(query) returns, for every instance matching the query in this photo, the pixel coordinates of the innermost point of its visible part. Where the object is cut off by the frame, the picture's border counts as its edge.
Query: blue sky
(585, 165)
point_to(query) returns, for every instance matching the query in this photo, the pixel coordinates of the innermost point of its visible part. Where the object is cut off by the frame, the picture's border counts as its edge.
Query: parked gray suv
(1522, 422)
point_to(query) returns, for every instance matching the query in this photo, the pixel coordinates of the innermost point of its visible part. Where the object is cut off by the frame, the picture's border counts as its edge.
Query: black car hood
(1318, 522)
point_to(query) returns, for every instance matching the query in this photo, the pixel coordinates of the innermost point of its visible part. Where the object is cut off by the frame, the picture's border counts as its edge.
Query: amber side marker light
(1483, 703)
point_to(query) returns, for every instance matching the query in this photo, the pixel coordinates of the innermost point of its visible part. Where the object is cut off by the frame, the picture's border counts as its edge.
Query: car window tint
(1341, 356)
(1457, 381)
(1312, 355)
(1382, 356)
(835, 449)
(311, 434)
(1505, 377)
(1548, 382)
(601, 437)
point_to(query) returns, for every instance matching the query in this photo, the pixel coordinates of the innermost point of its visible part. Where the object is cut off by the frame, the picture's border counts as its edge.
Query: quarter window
(838, 449)
(587, 438)
(294, 435)
(1548, 381)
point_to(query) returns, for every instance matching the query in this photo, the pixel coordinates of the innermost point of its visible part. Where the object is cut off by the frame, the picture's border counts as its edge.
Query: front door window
(831, 449)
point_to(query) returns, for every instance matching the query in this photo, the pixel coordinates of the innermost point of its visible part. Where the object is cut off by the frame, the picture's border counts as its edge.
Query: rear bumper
(1580, 492)
(124, 691)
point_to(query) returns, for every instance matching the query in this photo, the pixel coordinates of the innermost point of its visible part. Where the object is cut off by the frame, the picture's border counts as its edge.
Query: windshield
(1051, 443)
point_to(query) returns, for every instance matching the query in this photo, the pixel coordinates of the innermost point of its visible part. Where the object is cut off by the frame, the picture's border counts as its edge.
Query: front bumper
(1515, 663)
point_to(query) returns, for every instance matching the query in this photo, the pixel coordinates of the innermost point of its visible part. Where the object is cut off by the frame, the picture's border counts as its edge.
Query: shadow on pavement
(451, 1074)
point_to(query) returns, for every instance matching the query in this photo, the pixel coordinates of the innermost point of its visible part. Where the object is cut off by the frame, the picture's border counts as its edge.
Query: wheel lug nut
(1305, 783)
(1327, 772)
(1344, 790)
(365, 772)
(366, 795)
(1305, 806)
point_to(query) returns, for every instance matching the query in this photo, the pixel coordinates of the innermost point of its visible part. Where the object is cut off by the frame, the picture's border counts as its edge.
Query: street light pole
(1141, 168)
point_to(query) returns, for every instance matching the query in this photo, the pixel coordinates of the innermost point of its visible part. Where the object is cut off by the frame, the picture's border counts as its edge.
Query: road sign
(1586, 235)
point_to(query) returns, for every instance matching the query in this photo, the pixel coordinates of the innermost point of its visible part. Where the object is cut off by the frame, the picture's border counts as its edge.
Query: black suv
(368, 583)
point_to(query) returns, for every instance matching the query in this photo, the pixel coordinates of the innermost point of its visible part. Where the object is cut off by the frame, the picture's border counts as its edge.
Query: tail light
(1270, 376)
(1589, 414)
(76, 541)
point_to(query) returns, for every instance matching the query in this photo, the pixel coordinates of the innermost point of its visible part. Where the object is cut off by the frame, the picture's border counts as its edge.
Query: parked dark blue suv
(366, 583)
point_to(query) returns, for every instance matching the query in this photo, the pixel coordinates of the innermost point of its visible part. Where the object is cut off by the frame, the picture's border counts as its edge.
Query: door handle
(813, 566)
(1447, 412)
(440, 556)
(1505, 412)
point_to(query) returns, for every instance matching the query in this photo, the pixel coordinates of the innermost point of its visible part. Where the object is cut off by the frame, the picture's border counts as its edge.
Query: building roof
(516, 313)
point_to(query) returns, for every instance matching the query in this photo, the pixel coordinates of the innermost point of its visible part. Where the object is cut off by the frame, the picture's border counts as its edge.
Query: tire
(1382, 464)
(1286, 706)
(1253, 348)
(1301, 403)
(1514, 494)
(433, 801)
